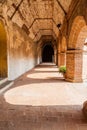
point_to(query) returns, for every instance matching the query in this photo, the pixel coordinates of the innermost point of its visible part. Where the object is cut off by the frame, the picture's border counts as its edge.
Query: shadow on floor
(46, 117)
(24, 117)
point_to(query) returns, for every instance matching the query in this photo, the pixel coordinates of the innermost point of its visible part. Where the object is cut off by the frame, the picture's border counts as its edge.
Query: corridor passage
(42, 100)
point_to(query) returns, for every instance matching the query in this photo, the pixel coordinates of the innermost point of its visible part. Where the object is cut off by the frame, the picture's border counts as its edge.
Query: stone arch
(47, 52)
(3, 51)
(40, 46)
(78, 23)
(82, 37)
(76, 58)
(82, 41)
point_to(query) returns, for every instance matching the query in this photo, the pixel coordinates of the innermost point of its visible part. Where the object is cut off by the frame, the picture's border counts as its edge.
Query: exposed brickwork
(61, 59)
(74, 65)
(75, 31)
(76, 28)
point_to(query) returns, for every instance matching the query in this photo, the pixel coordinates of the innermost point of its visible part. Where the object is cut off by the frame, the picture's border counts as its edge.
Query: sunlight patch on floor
(44, 95)
(43, 75)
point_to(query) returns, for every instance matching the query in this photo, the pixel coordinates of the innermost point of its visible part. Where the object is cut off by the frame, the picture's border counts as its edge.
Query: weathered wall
(22, 52)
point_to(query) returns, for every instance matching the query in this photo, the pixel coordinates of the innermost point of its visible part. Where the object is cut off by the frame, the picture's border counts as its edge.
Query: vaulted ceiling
(38, 17)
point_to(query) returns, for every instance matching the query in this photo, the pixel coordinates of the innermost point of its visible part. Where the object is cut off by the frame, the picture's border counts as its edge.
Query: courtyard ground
(42, 100)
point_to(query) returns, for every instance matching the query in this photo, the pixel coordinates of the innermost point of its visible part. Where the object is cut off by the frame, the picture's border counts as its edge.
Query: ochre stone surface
(3, 51)
(74, 65)
(26, 27)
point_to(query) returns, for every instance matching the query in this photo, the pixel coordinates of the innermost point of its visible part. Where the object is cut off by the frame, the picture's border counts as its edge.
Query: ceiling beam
(2, 1)
(46, 29)
(41, 30)
(61, 7)
(16, 9)
(41, 38)
(42, 19)
(31, 14)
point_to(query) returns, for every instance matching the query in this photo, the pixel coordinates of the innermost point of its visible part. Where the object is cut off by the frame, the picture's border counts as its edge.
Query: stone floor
(42, 100)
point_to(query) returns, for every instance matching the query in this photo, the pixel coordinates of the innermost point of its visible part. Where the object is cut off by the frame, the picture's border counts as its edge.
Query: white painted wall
(17, 67)
(21, 53)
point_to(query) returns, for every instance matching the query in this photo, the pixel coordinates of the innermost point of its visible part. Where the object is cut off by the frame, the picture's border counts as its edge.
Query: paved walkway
(42, 100)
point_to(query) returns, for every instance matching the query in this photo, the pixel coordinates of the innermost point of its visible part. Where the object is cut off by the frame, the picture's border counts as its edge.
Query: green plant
(62, 69)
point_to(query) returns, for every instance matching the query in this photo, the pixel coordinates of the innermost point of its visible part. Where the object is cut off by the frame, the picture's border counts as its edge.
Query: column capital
(74, 51)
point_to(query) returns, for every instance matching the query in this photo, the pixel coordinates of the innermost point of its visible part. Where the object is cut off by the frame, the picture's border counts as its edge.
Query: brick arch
(82, 37)
(78, 23)
(80, 41)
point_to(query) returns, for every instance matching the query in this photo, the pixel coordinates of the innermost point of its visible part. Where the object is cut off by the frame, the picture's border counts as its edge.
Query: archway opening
(48, 53)
(82, 41)
(78, 62)
(3, 52)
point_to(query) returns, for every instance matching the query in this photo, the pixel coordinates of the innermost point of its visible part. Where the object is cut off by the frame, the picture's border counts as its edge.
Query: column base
(74, 80)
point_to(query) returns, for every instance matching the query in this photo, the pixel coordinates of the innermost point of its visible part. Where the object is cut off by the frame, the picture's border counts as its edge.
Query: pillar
(61, 59)
(74, 65)
(55, 57)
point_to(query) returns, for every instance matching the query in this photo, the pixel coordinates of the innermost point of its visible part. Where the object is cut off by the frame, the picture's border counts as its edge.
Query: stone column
(61, 59)
(74, 65)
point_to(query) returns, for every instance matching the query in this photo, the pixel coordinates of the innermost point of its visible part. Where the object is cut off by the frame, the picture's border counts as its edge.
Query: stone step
(5, 86)
(3, 80)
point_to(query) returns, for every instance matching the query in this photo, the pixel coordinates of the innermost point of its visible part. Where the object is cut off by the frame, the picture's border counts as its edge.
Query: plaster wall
(22, 54)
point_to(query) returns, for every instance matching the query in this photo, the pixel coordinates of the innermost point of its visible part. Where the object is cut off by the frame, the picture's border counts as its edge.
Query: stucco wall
(22, 54)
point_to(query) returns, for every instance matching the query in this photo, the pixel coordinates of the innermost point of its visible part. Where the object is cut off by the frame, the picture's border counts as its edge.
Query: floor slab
(42, 100)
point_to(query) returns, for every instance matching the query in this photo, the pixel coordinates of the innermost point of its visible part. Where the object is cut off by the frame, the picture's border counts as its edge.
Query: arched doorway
(48, 53)
(76, 56)
(82, 41)
(3, 52)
